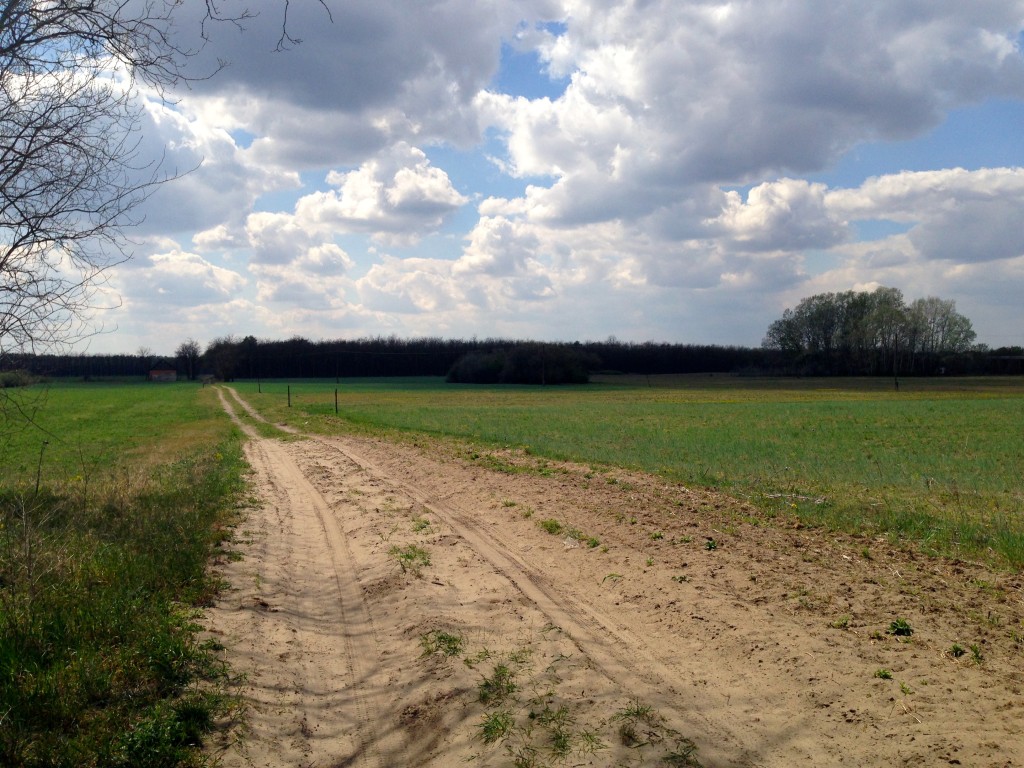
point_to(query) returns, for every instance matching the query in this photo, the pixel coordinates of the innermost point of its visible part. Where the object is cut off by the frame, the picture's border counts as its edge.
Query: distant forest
(500, 360)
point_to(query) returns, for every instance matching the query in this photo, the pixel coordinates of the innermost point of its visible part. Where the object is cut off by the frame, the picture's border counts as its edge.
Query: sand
(660, 626)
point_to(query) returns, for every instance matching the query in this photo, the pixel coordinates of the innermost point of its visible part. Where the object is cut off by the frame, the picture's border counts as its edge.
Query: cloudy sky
(669, 170)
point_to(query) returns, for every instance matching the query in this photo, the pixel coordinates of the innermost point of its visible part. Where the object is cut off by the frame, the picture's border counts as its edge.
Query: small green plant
(590, 742)
(613, 577)
(498, 687)
(900, 628)
(883, 674)
(507, 503)
(956, 650)
(684, 755)
(495, 726)
(710, 544)
(649, 562)
(420, 524)
(976, 656)
(592, 542)
(551, 526)
(629, 717)
(681, 579)
(439, 641)
(657, 536)
(411, 558)
(527, 513)
(843, 622)
(905, 689)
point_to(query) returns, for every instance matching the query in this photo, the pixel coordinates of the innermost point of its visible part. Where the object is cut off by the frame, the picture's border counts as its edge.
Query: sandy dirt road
(657, 626)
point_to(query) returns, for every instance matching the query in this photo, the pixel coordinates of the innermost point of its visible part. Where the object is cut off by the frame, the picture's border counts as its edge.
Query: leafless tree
(72, 175)
(188, 352)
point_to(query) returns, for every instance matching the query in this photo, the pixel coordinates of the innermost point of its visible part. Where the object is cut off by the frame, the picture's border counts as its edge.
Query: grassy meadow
(938, 461)
(112, 499)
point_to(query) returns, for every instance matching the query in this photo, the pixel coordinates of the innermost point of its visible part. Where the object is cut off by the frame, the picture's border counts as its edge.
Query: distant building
(163, 374)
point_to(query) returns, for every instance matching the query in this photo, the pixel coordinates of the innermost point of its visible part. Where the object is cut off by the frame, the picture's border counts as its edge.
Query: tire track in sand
(310, 603)
(617, 653)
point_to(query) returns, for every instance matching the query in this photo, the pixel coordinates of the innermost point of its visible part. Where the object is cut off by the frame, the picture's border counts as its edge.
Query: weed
(495, 726)
(843, 622)
(613, 577)
(684, 755)
(439, 641)
(551, 526)
(527, 513)
(592, 541)
(480, 656)
(411, 558)
(420, 524)
(905, 689)
(900, 628)
(883, 674)
(508, 503)
(498, 687)
(561, 741)
(649, 562)
(710, 544)
(681, 579)
(657, 536)
(590, 743)
(976, 656)
(956, 650)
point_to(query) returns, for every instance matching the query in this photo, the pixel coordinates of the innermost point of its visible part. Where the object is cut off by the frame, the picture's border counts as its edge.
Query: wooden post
(335, 401)
(289, 395)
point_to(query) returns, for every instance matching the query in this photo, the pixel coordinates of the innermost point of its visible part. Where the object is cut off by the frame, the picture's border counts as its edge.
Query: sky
(665, 170)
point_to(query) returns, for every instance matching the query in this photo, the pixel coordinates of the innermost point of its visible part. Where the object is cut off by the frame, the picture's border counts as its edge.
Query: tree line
(873, 333)
(525, 361)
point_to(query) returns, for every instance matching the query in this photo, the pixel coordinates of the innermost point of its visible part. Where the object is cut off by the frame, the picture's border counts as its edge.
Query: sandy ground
(660, 626)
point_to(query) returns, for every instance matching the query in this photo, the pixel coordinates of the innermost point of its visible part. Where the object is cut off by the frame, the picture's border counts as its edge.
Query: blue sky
(669, 170)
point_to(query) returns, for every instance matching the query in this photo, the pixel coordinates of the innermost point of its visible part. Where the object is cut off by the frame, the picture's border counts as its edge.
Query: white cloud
(397, 195)
(175, 279)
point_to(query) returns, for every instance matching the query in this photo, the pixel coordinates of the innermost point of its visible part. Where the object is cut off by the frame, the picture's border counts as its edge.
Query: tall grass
(100, 572)
(938, 461)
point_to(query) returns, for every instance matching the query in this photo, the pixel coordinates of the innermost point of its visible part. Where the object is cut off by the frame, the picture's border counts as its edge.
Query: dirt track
(760, 643)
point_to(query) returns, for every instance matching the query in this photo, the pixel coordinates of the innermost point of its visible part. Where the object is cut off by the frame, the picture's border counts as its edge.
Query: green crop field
(938, 461)
(112, 499)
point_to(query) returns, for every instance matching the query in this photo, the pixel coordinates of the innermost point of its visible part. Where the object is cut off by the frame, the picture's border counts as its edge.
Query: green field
(939, 461)
(113, 497)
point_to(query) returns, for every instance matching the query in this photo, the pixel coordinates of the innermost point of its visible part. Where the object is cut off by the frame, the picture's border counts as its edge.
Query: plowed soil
(658, 625)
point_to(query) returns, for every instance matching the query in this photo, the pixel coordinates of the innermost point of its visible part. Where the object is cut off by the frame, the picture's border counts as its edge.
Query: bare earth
(694, 632)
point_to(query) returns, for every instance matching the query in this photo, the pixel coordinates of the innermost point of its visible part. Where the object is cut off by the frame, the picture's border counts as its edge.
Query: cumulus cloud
(667, 94)
(176, 278)
(397, 195)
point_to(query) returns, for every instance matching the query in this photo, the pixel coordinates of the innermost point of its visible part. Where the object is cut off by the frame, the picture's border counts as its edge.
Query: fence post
(289, 395)
(335, 401)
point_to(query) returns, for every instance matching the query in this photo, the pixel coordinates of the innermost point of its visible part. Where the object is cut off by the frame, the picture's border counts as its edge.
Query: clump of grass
(439, 641)
(498, 687)
(420, 524)
(411, 558)
(956, 650)
(883, 674)
(976, 655)
(843, 622)
(495, 726)
(551, 526)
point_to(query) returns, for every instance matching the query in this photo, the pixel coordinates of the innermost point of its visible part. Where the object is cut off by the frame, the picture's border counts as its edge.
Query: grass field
(939, 461)
(112, 500)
